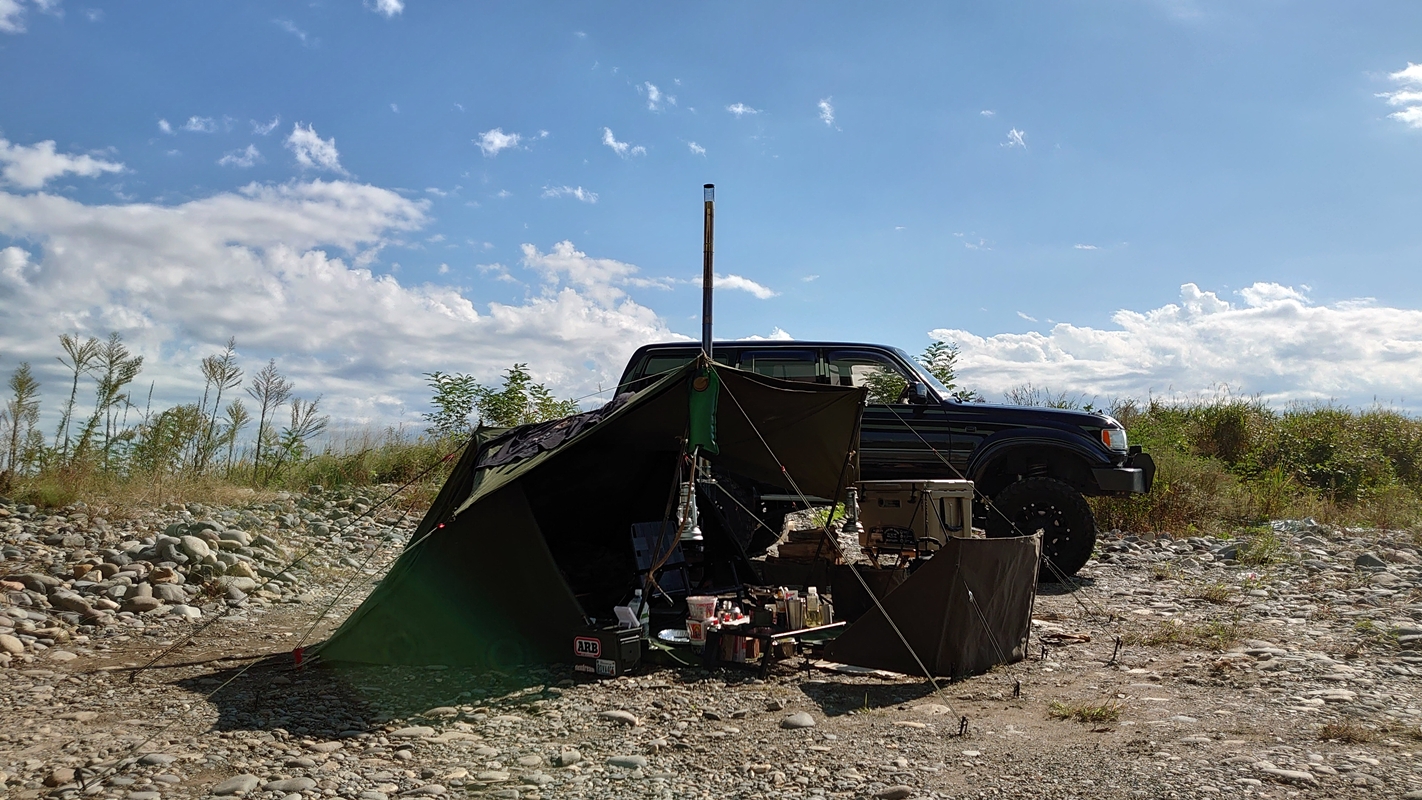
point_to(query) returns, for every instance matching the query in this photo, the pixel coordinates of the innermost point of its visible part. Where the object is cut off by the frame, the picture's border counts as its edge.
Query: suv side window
(856, 367)
(659, 362)
(790, 365)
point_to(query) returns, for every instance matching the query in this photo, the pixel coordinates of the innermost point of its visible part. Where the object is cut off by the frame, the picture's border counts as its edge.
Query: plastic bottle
(644, 612)
(812, 608)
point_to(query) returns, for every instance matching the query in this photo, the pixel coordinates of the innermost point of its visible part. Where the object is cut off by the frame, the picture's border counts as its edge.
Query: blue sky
(1108, 198)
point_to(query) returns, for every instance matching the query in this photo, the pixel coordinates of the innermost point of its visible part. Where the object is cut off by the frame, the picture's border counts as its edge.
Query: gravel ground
(1297, 678)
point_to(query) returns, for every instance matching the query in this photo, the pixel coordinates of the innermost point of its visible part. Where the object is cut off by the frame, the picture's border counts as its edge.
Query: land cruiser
(1032, 467)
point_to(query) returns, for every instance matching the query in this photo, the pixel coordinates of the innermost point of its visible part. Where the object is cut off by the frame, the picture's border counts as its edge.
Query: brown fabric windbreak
(512, 556)
(966, 610)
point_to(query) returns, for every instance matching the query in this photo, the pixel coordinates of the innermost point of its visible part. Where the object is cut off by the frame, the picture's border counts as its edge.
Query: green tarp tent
(531, 532)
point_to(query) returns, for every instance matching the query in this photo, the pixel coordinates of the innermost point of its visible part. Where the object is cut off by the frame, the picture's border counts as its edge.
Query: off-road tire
(1055, 509)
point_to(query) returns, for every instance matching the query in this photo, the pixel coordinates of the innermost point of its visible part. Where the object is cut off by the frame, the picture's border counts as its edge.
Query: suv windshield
(924, 375)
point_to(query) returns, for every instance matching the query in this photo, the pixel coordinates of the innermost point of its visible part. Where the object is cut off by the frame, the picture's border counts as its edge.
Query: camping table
(767, 637)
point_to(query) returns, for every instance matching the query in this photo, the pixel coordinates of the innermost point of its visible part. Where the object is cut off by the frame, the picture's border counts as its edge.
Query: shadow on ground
(1069, 586)
(328, 700)
(836, 698)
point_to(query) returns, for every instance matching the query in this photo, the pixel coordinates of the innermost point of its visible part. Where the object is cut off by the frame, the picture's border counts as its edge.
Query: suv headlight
(1114, 438)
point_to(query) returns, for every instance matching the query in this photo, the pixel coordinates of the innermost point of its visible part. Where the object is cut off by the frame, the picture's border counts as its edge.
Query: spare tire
(1054, 509)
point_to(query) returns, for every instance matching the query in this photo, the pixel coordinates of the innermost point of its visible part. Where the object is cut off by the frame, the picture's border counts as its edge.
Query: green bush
(1228, 461)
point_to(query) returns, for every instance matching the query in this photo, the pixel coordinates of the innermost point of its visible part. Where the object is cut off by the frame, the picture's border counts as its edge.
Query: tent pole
(708, 276)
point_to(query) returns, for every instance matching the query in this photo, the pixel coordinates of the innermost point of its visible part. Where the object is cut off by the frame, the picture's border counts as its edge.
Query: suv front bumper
(1135, 476)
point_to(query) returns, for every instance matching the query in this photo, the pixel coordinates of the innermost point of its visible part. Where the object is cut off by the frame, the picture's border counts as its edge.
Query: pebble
(289, 785)
(798, 720)
(628, 762)
(238, 785)
(620, 717)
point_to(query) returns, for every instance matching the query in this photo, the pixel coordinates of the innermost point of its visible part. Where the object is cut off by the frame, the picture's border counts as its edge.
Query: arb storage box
(606, 651)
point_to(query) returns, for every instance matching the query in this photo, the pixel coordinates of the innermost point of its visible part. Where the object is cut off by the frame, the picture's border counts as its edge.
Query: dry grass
(1109, 711)
(1217, 593)
(1348, 732)
(1217, 635)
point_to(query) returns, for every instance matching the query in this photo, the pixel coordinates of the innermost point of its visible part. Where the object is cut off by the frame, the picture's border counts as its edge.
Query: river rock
(798, 720)
(237, 785)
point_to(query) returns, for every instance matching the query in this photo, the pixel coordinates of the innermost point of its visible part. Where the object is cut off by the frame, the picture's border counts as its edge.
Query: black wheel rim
(1048, 520)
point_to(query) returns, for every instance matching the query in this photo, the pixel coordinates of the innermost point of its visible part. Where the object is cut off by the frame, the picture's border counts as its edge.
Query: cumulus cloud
(162, 123)
(1408, 98)
(1273, 342)
(241, 159)
(1086, 247)
(741, 109)
(738, 283)
(1016, 138)
(278, 268)
(696, 149)
(491, 142)
(777, 334)
(827, 112)
(200, 125)
(988, 112)
(12, 13)
(389, 8)
(576, 192)
(312, 151)
(32, 166)
(621, 148)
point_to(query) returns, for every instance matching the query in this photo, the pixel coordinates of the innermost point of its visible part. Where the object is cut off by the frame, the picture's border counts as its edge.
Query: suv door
(889, 438)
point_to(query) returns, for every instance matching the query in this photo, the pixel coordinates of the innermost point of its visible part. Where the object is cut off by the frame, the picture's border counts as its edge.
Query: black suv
(1031, 466)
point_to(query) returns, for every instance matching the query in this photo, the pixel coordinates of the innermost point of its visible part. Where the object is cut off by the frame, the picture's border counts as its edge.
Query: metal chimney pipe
(708, 275)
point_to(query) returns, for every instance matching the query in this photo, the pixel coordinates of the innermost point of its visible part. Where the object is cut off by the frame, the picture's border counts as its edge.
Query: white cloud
(1276, 343)
(654, 97)
(810, 278)
(491, 142)
(31, 167)
(827, 112)
(621, 148)
(1026, 317)
(436, 191)
(200, 125)
(264, 128)
(570, 191)
(162, 123)
(1016, 138)
(696, 149)
(242, 159)
(12, 13)
(1409, 98)
(777, 334)
(988, 113)
(395, 108)
(1086, 247)
(278, 268)
(443, 269)
(312, 151)
(290, 27)
(738, 283)
(388, 7)
(741, 109)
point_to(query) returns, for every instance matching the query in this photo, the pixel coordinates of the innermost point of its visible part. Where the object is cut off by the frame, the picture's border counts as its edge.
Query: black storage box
(607, 652)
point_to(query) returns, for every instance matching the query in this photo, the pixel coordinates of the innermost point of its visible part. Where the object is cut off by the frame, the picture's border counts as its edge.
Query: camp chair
(650, 541)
